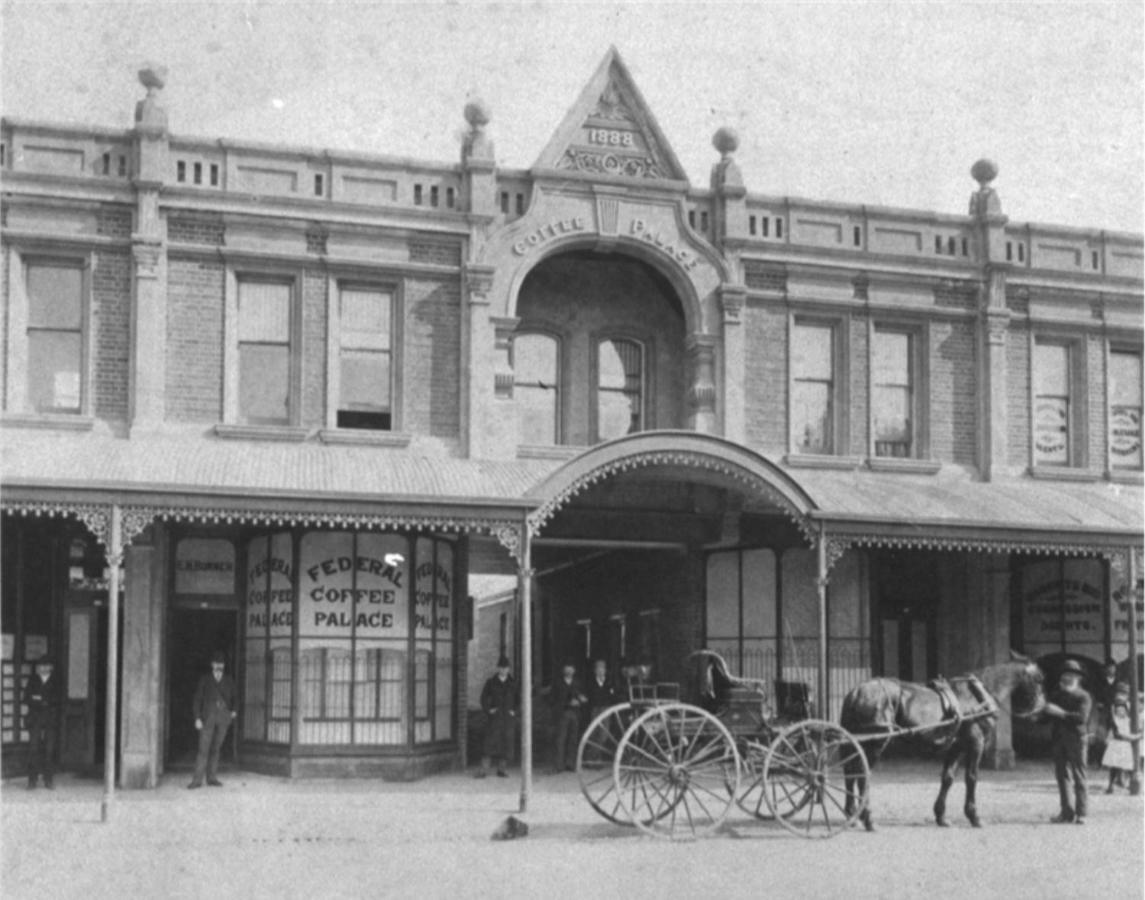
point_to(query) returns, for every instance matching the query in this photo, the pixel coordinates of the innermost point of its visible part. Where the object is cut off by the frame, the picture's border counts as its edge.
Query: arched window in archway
(619, 388)
(535, 388)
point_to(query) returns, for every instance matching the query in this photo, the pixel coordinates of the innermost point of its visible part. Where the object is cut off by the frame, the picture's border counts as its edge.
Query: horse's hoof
(975, 823)
(942, 823)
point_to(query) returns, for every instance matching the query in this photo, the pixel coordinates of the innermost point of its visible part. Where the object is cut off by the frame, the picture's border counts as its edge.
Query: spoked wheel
(750, 797)
(594, 758)
(804, 778)
(676, 771)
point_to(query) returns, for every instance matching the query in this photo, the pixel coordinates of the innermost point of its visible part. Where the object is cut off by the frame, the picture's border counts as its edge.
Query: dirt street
(264, 837)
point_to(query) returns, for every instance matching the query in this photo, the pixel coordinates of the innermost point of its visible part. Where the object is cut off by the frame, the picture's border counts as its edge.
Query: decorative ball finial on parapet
(984, 202)
(477, 143)
(726, 140)
(726, 172)
(148, 113)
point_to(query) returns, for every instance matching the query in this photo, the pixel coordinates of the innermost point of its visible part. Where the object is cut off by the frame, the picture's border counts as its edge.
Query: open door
(195, 635)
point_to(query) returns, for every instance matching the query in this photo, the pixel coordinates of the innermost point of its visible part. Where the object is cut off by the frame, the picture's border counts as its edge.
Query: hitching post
(114, 557)
(526, 595)
(821, 585)
(1134, 694)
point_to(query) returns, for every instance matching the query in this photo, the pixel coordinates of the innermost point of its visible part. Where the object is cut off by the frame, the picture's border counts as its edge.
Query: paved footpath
(267, 837)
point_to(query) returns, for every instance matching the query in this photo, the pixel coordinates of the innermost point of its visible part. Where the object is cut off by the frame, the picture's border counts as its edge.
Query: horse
(961, 714)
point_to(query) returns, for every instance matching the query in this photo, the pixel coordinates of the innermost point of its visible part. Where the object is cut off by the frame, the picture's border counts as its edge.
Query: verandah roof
(949, 509)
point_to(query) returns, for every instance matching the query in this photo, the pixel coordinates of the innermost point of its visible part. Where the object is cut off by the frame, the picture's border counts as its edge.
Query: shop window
(813, 388)
(535, 388)
(619, 388)
(893, 400)
(1125, 409)
(267, 628)
(55, 337)
(264, 347)
(1053, 404)
(365, 358)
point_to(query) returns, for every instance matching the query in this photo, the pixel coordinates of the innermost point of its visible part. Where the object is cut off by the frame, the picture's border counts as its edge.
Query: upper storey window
(535, 367)
(1052, 404)
(813, 384)
(365, 352)
(1125, 409)
(264, 331)
(619, 389)
(893, 399)
(55, 337)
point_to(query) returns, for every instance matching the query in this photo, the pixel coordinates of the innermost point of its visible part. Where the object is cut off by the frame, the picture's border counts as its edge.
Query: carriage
(676, 769)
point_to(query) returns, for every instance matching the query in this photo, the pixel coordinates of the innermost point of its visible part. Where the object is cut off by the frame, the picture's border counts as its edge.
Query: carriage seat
(793, 699)
(741, 709)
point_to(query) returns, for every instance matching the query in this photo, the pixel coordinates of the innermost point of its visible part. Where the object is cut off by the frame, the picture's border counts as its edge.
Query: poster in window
(1051, 430)
(1125, 436)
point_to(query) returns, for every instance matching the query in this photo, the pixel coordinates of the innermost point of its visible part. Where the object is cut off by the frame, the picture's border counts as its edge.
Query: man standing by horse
(1069, 708)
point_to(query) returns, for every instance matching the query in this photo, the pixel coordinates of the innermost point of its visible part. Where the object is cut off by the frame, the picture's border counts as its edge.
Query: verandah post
(526, 599)
(114, 557)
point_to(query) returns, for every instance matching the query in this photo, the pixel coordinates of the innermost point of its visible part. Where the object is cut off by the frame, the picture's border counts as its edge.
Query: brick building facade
(285, 401)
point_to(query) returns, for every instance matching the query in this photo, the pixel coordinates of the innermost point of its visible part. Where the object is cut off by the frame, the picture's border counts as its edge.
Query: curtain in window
(620, 394)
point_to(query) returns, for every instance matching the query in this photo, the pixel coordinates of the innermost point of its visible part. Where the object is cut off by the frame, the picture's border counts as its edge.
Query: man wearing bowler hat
(214, 709)
(1069, 706)
(499, 703)
(42, 697)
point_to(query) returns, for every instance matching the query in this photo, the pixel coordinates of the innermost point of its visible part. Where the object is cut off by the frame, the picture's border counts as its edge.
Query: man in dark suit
(214, 710)
(499, 703)
(1069, 707)
(42, 697)
(568, 700)
(601, 692)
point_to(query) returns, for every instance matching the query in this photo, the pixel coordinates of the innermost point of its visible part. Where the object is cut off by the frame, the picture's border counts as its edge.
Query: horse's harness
(987, 704)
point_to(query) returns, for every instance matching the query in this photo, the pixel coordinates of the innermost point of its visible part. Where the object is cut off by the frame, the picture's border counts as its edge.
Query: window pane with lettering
(268, 623)
(893, 397)
(1051, 404)
(353, 633)
(812, 403)
(1125, 409)
(620, 389)
(365, 354)
(535, 389)
(264, 352)
(55, 337)
(433, 630)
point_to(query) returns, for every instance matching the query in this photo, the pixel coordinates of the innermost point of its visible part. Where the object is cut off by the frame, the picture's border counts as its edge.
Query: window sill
(541, 452)
(1064, 473)
(366, 436)
(906, 466)
(1126, 476)
(52, 421)
(824, 461)
(289, 433)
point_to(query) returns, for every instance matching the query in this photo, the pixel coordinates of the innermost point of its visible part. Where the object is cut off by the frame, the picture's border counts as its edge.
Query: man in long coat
(1069, 707)
(499, 703)
(42, 696)
(213, 709)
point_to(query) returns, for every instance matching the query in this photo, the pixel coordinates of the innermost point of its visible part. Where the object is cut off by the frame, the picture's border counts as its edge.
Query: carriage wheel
(751, 796)
(804, 780)
(676, 771)
(594, 758)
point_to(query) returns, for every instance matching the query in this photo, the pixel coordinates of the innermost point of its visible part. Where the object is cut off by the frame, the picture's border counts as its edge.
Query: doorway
(195, 635)
(907, 599)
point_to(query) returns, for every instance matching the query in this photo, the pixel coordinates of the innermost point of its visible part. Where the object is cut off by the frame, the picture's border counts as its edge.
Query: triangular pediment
(611, 131)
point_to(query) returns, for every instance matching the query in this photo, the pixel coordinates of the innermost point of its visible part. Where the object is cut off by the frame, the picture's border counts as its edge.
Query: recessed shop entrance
(195, 635)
